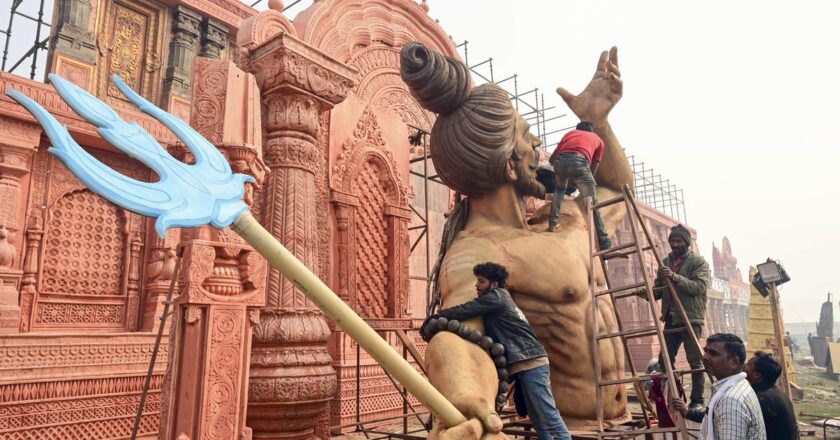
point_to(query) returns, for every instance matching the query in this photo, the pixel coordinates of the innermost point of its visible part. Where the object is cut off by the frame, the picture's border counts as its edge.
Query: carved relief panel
(83, 265)
(130, 44)
(371, 217)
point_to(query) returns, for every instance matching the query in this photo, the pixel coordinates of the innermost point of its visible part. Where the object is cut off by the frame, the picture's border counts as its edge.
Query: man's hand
(679, 406)
(665, 272)
(602, 93)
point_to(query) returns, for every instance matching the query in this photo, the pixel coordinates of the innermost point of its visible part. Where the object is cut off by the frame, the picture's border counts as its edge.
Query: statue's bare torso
(549, 280)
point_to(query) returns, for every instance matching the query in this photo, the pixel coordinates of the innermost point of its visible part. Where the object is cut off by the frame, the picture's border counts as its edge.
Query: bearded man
(482, 148)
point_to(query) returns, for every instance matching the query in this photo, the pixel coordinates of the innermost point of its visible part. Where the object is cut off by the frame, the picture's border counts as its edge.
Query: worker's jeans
(692, 353)
(571, 167)
(536, 387)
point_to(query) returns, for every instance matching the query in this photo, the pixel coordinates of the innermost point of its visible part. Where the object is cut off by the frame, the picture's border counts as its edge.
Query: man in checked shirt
(734, 408)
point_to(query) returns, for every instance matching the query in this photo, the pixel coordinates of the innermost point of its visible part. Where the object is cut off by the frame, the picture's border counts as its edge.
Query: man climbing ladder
(670, 277)
(689, 274)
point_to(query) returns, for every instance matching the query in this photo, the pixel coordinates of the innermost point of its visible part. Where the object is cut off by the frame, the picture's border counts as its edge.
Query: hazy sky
(732, 101)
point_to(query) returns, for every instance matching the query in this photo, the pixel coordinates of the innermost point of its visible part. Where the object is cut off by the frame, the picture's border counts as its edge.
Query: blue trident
(195, 195)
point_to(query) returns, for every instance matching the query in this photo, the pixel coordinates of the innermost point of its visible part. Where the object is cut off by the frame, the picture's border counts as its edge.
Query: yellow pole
(780, 341)
(283, 260)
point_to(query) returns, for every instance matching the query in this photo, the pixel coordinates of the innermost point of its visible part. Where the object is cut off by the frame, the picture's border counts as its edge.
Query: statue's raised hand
(601, 94)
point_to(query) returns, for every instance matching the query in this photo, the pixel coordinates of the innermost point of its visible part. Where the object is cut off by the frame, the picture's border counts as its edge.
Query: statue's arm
(459, 369)
(614, 170)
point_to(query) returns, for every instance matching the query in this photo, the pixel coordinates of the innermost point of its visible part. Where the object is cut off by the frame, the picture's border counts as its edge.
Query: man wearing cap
(689, 273)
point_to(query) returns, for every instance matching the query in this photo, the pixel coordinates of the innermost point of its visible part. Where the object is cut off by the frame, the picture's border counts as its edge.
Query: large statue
(482, 148)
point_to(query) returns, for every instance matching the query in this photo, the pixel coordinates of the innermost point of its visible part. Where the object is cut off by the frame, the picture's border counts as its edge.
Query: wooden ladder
(636, 247)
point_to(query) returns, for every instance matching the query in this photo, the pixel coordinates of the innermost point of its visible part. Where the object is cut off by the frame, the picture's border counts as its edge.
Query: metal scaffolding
(40, 35)
(659, 193)
(547, 122)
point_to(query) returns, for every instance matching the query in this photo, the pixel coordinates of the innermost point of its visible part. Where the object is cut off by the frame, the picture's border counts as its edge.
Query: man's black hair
(492, 271)
(768, 366)
(733, 344)
(585, 126)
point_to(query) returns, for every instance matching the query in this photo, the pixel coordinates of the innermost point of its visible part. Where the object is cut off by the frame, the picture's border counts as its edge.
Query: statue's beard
(526, 184)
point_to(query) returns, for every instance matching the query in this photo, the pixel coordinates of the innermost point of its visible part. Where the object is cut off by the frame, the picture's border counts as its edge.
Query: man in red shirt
(576, 159)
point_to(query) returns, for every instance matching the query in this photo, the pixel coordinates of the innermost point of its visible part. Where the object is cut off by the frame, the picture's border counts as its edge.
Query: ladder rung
(696, 370)
(643, 377)
(615, 249)
(639, 378)
(619, 289)
(633, 293)
(609, 202)
(625, 254)
(635, 333)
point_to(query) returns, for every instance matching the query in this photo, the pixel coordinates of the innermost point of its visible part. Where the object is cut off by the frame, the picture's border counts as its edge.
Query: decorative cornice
(229, 12)
(45, 95)
(284, 61)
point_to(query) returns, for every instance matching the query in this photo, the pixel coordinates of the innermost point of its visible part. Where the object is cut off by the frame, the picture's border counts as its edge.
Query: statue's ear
(510, 170)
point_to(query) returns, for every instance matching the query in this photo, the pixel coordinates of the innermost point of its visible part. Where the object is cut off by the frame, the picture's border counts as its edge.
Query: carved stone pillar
(177, 81)
(18, 141)
(345, 214)
(290, 394)
(133, 288)
(223, 280)
(34, 235)
(207, 378)
(213, 38)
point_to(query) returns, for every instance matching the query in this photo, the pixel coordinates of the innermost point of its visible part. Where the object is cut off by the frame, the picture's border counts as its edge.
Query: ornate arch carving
(380, 84)
(367, 141)
(340, 27)
(259, 28)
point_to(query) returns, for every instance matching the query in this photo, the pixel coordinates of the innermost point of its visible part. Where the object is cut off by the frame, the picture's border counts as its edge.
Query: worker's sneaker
(695, 406)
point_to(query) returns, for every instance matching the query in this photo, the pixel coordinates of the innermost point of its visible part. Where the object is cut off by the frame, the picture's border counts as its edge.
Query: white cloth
(729, 382)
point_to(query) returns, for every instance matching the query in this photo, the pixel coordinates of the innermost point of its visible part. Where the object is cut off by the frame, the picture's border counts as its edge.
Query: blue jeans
(571, 167)
(536, 387)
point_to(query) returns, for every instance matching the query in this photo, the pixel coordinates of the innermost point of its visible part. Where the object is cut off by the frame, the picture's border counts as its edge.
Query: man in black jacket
(527, 359)
(779, 420)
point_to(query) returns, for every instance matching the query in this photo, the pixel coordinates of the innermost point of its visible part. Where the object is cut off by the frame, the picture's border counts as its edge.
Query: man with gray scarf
(689, 273)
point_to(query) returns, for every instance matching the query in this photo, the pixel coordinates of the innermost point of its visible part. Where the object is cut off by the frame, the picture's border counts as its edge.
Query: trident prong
(207, 192)
(185, 196)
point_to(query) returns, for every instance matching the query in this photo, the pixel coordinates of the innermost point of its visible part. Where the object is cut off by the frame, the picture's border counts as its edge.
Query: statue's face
(526, 159)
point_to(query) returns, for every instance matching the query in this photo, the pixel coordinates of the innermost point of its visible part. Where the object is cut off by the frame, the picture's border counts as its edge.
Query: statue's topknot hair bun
(441, 84)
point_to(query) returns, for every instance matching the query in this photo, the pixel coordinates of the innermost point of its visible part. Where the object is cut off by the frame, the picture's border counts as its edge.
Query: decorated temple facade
(316, 111)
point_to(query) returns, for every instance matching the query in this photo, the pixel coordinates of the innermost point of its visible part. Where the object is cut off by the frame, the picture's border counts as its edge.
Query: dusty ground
(821, 399)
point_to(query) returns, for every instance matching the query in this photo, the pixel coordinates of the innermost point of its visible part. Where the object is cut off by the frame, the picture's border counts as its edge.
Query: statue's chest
(550, 266)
